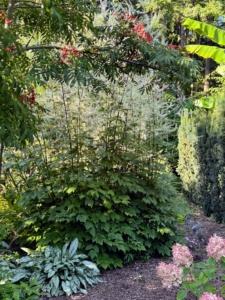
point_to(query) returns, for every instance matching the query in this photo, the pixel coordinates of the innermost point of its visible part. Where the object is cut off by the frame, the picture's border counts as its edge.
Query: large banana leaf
(213, 33)
(216, 53)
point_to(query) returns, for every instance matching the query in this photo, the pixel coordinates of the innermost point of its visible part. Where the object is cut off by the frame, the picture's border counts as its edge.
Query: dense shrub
(95, 172)
(201, 158)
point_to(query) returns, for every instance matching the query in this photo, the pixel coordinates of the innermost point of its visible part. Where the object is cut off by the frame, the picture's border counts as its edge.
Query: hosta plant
(58, 271)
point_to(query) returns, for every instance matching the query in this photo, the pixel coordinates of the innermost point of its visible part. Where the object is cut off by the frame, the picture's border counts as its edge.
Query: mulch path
(139, 280)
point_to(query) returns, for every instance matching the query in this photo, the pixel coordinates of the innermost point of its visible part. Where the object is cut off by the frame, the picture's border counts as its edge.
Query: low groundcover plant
(195, 277)
(57, 271)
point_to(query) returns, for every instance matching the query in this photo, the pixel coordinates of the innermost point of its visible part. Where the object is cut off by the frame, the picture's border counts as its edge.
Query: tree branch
(9, 13)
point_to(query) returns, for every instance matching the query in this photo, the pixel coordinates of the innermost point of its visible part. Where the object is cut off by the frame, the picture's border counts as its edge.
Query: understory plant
(196, 277)
(56, 271)
(21, 291)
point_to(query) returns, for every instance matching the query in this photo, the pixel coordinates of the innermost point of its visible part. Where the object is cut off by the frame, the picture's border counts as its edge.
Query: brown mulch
(139, 280)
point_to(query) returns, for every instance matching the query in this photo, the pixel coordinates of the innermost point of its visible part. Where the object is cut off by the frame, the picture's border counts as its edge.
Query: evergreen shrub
(202, 158)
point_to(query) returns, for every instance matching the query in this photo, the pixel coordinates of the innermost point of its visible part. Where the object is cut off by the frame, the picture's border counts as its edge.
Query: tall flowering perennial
(170, 274)
(216, 247)
(210, 296)
(182, 255)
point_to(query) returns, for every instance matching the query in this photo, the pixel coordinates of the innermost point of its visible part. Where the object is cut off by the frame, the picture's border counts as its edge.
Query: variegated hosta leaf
(48, 267)
(48, 251)
(64, 249)
(18, 276)
(66, 287)
(55, 281)
(90, 265)
(83, 281)
(58, 271)
(73, 247)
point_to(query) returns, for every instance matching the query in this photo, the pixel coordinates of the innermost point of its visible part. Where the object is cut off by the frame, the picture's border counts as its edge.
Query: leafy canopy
(75, 42)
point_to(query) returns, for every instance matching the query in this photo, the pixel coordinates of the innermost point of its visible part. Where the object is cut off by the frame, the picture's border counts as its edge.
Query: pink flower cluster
(182, 255)
(216, 247)
(170, 274)
(210, 296)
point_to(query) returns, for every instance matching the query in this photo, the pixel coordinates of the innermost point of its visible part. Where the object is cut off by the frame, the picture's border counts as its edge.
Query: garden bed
(139, 280)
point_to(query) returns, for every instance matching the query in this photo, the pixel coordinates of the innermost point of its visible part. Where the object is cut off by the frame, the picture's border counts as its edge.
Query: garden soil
(139, 280)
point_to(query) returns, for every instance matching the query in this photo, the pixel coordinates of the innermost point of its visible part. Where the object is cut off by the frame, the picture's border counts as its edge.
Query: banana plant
(214, 52)
(213, 33)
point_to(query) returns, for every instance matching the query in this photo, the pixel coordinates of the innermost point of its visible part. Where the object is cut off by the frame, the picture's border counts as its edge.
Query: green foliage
(205, 102)
(11, 291)
(116, 194)
(215, 34)
(31, 55)
(203, 273)
(201, 161)
(58, 271)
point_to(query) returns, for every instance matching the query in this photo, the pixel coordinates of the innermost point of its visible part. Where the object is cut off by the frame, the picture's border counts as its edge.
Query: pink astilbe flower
(170, 274)
(216, 247)
(210, 296)
(182, 255)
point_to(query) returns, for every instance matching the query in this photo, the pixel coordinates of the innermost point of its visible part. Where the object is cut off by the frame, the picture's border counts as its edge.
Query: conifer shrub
(201, 158)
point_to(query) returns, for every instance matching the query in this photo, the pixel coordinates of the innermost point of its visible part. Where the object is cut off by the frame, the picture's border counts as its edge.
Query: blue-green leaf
(73, 247)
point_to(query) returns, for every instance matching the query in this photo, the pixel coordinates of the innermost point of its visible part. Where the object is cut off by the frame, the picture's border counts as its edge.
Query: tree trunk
(207, 72)
(1, 158)
(182, 36)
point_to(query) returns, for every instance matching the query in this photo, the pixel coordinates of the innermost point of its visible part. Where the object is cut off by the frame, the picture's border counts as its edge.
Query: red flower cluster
(2, 15)
(10, 48)
(139, 28)
(28, 96)
(128, 17)
(68, 52)
(175, 47)
(8, 21)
